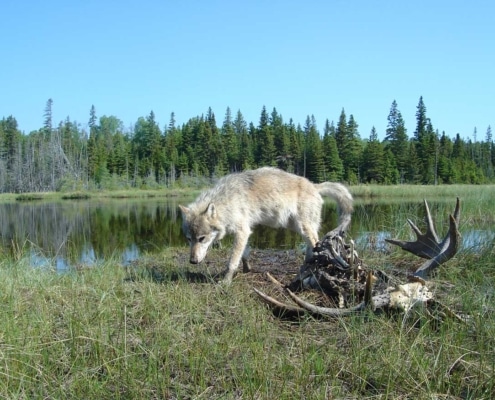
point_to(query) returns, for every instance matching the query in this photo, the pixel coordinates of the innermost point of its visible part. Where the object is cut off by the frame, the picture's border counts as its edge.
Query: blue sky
(314, 57)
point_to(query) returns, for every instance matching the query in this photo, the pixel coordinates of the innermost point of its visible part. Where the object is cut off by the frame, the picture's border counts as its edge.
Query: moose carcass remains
(337, 271)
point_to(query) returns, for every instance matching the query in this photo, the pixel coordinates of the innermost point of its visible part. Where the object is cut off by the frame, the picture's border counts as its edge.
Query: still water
(71, 233)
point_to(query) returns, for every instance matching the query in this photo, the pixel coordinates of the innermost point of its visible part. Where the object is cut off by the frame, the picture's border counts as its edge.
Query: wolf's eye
(188, 238)
(201, 239)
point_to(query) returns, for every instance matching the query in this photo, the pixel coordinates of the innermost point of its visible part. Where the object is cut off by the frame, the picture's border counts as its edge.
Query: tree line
(105, 155)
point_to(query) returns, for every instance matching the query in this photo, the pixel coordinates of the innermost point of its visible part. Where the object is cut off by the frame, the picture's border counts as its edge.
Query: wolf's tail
(344, 200)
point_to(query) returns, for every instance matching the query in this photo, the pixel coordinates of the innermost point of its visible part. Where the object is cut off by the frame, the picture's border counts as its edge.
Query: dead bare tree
(337, 271)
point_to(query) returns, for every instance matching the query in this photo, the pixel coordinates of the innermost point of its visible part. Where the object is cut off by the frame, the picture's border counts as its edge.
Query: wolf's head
(200, 231)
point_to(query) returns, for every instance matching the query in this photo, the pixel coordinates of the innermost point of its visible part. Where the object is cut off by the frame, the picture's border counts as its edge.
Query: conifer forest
(105, 155)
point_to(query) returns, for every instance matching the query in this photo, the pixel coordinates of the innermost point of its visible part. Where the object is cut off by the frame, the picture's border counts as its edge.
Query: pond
(71, 233)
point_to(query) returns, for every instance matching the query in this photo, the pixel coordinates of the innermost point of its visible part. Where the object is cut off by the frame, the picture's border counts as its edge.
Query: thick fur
(265, 196)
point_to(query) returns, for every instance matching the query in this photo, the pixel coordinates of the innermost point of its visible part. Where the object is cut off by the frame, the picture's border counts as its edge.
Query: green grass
(96, 194)
(360, 192)
(411, 192)
(94, 333)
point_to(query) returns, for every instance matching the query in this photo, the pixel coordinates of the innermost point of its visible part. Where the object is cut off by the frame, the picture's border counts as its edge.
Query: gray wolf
(265, 196)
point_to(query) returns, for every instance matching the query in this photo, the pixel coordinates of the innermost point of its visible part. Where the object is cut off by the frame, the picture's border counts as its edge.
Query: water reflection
(69, 234)
(73, 233)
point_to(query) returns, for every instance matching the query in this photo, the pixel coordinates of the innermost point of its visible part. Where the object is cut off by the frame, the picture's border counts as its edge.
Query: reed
(409, 192)
(154, 331)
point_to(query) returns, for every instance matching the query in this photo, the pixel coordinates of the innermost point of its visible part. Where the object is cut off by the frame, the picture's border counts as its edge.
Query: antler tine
(280, 308)
(368, 301)
(326, 311)
(430, 227)
(450, 247)
(457, 211)
(426, 245)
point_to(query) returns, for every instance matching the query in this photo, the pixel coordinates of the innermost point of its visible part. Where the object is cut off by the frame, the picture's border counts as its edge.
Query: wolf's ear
(211, 211)
(185, 210)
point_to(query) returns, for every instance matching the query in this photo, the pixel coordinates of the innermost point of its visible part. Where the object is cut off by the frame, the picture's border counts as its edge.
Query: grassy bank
(430, 192)
(158, 333)
(359, 191)
(107, 194)
(95, 333)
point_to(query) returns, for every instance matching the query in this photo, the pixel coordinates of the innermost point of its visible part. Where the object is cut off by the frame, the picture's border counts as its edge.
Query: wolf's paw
(227, 279)
(246, 267)
(225, 282)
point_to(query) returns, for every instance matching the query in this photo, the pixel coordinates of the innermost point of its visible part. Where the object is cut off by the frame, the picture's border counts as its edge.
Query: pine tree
(315, 168)
(390, 173)
(444, 168)
(373, 160)
(492, 145)
(334, 169)
(217, 156)
(147, 144)
(173, 146)
(11, 155)
(230, 142)
(265, 143)
(92, 156)
(48, 122)
(426, 141)
(354, 151)
(396, 139)
(341, 134)
(281, 140)
(421, 121)
(349, 146)
(92, 118)
(420, 140)
(296, 149)
(413, 172)
(430, 155)
(487, 156)
(245, 151)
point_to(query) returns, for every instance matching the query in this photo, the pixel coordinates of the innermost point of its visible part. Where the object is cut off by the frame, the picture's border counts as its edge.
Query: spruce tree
(315, 168)
(48, 122)
(265, 143)
(396, 139)
(426, 141)
(281, 140)
(230, 142)
(373, 160)
(334, 169)
(296, 148)
(244, 139)
(217, 157)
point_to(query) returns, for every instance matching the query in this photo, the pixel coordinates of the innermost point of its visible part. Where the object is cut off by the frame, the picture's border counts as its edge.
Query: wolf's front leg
(240, 242)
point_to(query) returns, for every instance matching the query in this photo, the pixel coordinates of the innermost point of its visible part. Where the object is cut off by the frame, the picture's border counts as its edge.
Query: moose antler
(429, 246)
(335, 265)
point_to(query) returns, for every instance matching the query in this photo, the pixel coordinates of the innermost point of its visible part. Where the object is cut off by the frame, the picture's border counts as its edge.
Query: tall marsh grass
(97, 333)
(408, 192)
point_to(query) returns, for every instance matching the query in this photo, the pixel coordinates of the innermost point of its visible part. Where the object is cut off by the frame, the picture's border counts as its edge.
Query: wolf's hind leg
(246, 267)
(311, 237)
